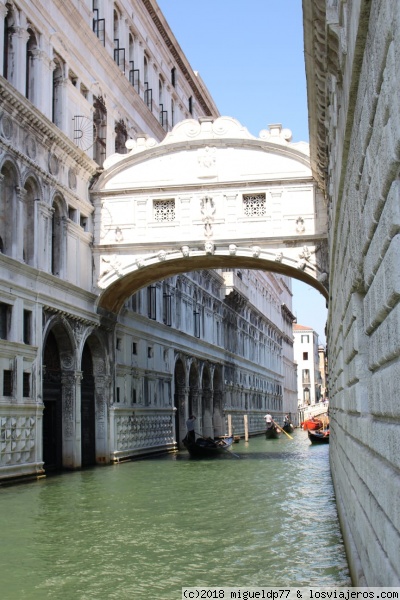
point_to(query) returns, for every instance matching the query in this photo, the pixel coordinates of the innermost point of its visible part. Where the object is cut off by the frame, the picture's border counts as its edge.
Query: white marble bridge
(210, 195)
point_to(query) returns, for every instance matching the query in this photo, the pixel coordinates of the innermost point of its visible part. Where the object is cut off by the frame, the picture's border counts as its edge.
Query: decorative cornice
(41, 124)
(315, 42)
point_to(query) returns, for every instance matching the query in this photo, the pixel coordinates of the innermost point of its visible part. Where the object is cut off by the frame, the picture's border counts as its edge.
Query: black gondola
(272, 433)
(206, 447)
(288, 427)
(319, 437)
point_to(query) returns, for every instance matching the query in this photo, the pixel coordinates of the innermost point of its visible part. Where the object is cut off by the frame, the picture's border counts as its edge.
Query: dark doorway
(52, 400)
(88, 433)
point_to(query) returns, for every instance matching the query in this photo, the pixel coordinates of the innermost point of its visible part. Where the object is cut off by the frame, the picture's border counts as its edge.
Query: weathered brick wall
(364, 319)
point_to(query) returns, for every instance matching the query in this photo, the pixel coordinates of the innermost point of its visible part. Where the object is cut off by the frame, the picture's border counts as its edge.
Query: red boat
(312, 424)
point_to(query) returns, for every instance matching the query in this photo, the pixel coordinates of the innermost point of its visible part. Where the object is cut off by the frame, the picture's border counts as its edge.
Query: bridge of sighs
(210, 195)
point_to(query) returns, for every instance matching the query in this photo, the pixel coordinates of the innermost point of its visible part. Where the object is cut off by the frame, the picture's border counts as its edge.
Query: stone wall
(360, 49)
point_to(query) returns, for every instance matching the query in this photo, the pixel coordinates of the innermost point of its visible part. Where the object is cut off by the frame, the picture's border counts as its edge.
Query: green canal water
(144, 529)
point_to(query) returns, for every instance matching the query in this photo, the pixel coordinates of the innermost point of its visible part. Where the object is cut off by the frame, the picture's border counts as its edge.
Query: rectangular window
(305, 339)
(99, 26)
(173, 76)
(27, 326)
(5, 320)
(134, 400)
(254, 205)
(26, 388)
(305, 355)
(152, 302)
(7, 383)
(119, 344)
(149, 352)
(164, 210)
(191, 105)
(306, 376)
(118, 395)
(134, 348)
(167, 310)
(196, 317)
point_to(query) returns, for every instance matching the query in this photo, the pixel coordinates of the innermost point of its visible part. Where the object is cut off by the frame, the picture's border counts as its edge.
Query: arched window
(134, 74)
(8, 205)
(119, 53)
(148, 92)
(29, 223)
(121, 135)
(31, 51)
(163, 116)
(57, 105)
(99, 130)
(172, 113)
(8, 51)
(56, 239)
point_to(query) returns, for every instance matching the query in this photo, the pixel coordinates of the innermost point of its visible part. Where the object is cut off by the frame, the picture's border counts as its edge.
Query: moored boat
(208, 447)
(319, 437)
(313, 424)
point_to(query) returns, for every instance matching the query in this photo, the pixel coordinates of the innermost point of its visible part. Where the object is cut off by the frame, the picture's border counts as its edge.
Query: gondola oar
(280, 428)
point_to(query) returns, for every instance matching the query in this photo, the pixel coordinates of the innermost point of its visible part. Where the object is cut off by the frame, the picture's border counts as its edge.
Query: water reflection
(145, 529)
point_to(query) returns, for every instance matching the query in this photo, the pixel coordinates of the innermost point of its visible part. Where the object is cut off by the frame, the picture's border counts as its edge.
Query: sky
(250, 55)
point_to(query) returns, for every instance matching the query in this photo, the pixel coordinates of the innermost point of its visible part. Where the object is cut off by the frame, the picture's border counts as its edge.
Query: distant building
(306, 354)
(323, 370)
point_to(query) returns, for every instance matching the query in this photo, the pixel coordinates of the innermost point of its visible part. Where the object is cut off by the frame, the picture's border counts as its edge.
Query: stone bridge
(210, 195)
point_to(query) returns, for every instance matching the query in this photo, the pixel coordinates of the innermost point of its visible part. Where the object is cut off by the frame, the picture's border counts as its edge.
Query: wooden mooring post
(246, 428)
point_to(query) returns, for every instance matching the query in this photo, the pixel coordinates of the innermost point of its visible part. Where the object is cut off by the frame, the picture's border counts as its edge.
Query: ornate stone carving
(72, 182)
(185, 251)
(232, 249)
(209, 247)
(208, 211)
(54, 165)
(30, 144)
(300, 227)
(7, 128)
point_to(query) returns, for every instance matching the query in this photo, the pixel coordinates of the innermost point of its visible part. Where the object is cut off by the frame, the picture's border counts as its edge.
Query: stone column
(218, 421)
(208, 429)
(71, 417)
(3, 13)
(102, 389)
(182, 404)
(44, 217)
(19, 41)
(18, 233)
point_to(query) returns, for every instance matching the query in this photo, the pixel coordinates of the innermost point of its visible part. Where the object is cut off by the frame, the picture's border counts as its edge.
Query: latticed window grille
(164, 210)
(254, 205)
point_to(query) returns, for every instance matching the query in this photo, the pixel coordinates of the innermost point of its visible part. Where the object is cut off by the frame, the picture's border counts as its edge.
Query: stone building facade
(79, 387)
(306, 355)
(352, 52)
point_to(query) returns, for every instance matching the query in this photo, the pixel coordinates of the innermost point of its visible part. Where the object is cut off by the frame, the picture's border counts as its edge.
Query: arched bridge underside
(210, 195)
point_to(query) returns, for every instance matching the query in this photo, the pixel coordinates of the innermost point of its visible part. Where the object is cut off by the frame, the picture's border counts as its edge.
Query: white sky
(250, 56)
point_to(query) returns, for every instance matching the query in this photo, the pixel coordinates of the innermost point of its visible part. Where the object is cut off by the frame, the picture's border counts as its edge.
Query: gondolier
(190, 436)
(268, 420)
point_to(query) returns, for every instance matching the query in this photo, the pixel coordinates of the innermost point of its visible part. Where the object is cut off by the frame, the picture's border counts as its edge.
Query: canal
(144, 529)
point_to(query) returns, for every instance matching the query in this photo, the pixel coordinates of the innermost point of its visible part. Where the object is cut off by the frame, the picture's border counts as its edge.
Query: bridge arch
(209, 196)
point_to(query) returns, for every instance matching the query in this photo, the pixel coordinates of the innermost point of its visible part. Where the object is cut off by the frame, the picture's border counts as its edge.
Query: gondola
(312, 424)
(207, 447)
(319, 437)
(272, 433)
(288, 428)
